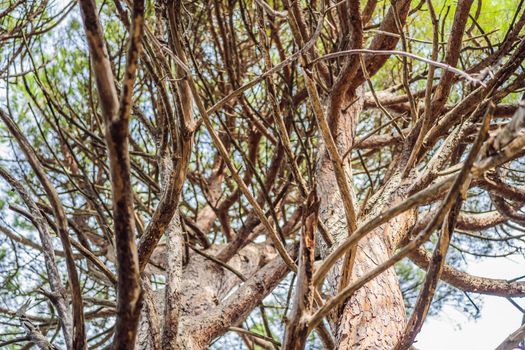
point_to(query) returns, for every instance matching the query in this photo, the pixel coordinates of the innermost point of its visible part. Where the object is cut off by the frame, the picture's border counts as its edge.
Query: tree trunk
(203, 285)
(374, 317)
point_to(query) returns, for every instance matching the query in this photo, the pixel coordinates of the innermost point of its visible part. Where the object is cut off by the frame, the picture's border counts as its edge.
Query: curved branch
(513, 340)
(470, 283)
(79, 333)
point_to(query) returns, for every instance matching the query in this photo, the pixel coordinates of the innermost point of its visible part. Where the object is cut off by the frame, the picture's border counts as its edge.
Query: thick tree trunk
(203, 286)
(374, 317)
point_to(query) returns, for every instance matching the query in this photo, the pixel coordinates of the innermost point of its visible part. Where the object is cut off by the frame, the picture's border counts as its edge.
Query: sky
(452, 330)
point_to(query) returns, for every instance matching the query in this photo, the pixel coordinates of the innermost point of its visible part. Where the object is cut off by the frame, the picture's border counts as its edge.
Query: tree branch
(116, 115)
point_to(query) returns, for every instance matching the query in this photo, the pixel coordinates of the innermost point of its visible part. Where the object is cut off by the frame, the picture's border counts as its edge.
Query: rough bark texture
(297, 328)
(375, 316)
(204, 147)
(116, 121)
(203, 285)
(173, 292)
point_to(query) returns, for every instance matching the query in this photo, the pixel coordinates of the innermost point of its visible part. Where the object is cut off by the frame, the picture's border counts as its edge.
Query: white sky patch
(452, 330)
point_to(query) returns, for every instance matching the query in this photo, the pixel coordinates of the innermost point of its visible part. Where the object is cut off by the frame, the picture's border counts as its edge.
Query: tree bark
(374, 317)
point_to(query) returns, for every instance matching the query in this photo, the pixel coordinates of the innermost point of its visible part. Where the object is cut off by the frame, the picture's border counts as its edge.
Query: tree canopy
(255, 174)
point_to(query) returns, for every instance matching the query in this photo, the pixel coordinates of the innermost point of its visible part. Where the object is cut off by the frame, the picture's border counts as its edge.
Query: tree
(299, 174)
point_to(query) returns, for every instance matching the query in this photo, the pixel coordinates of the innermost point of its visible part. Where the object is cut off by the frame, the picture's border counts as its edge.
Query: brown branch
(53, 275)
(340, 175)
(172, 290)
(182, 137)
(84, 251)
(151, 313)
(428, 289)
(446, 67)
(428, 92)
(116, 115)
(456, 194)
(297, 328)
(412, 201)
(238, 305)
(470, 283)
(452, 55)
(242, 185)
(513, 339)
(79, 333)
(382, 41)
